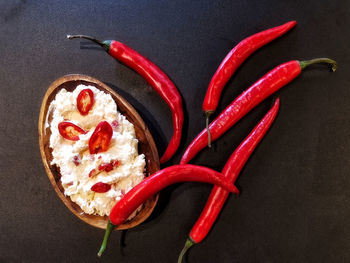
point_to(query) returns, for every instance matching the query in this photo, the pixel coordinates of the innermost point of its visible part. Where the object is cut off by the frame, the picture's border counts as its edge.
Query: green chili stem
(189, 243)
(104, 44)
(306, 63)
(108, 232)
(207, 116)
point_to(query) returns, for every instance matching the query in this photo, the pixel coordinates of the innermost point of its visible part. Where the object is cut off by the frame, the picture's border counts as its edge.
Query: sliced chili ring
(101, 137)
(85, 101)
(70, 131)
(100, 187)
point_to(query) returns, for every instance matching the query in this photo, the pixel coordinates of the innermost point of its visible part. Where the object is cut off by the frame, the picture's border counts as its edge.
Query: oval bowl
(146, 146)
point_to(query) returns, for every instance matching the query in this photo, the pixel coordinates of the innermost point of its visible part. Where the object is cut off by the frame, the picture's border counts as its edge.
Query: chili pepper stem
(108, 232)
(306, 63)
(104, 44)
(189, 243)
(207, 116)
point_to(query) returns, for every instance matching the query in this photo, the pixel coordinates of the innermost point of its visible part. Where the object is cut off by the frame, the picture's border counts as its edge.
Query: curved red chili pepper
(159, 81)
(260, 90)
(70, 131)
(155, 183)
(85, 101)
(231, 171)
(233, 60)
(101, 137)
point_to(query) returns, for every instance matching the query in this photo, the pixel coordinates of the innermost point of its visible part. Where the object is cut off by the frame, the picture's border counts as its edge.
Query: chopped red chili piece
(108, 166)
(115, 124)
(100, 187)
(105, 167)
(85, 100)
(100, 139)
(70, 131)
(92, 173)
(76, 159)
(115, 163)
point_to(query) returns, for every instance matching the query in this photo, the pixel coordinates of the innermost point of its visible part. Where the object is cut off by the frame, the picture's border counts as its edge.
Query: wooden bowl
(146, 146)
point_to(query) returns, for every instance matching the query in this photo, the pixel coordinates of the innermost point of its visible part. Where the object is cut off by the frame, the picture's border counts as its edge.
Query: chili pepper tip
(189, 243)
(236, 191)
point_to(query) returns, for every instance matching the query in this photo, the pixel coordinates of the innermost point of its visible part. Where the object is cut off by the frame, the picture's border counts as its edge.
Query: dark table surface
(295, 190)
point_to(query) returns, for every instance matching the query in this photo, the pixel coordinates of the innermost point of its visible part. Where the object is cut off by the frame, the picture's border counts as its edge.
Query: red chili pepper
(70, 131)
(231, 171)
(260, 90)
(155, 183)
(100, 187)
(233, 60)
(100, 139)
(85, 101)
(159, 81)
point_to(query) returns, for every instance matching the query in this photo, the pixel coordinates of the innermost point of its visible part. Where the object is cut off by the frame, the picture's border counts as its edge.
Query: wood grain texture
(146, 146)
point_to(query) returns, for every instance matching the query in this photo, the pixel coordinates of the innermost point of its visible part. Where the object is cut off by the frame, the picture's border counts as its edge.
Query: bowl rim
(102, 222)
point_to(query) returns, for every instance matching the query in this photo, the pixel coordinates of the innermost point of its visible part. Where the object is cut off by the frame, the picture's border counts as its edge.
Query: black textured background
(295, 201)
